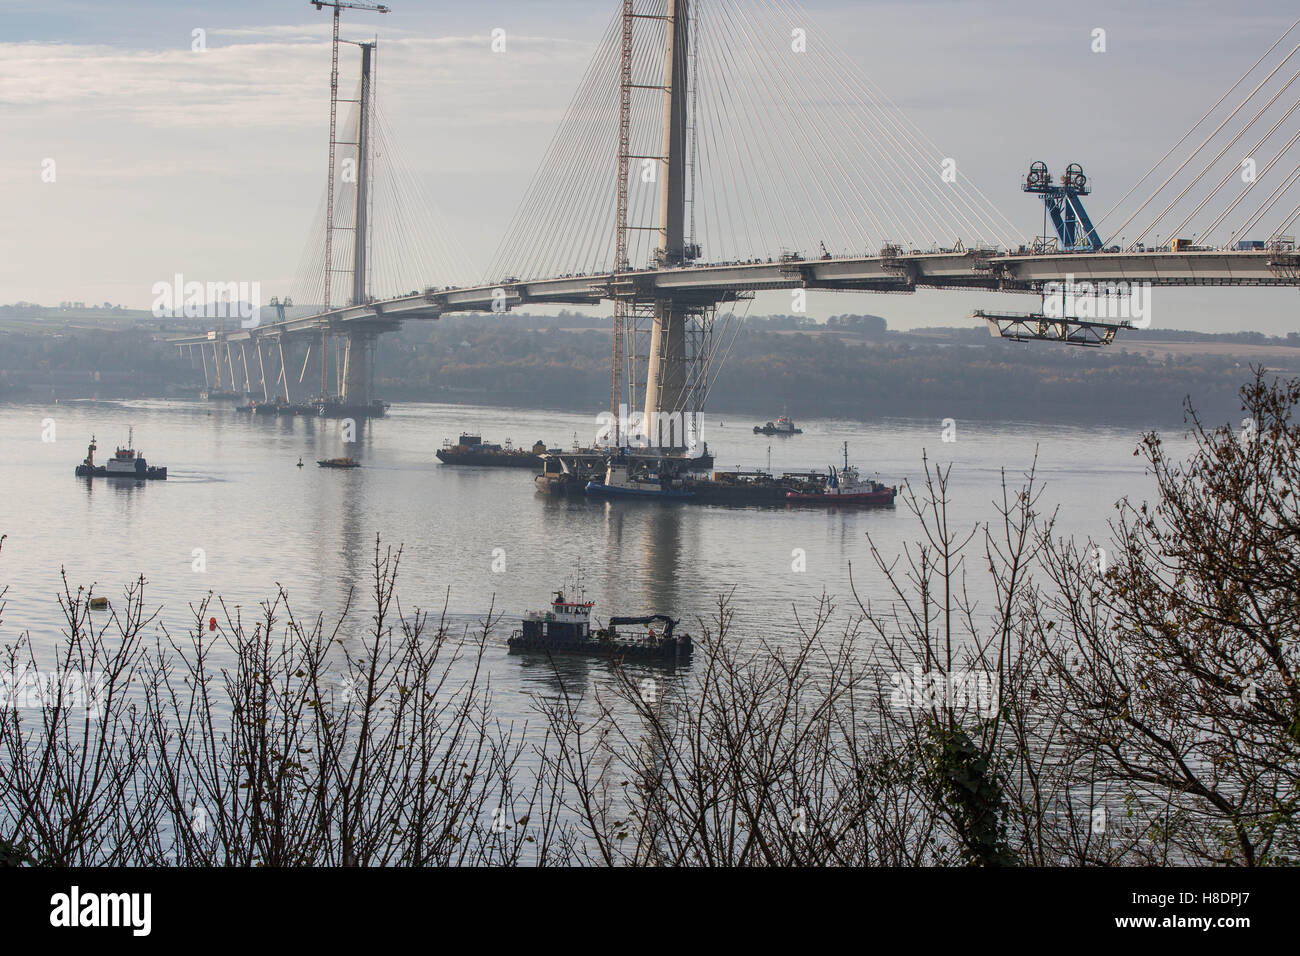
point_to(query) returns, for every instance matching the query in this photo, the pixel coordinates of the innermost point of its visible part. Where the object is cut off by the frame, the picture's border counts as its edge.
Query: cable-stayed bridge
(716, 149)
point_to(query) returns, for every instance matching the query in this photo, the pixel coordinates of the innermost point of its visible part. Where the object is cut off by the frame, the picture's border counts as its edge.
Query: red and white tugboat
(125, 463)
(846, 487)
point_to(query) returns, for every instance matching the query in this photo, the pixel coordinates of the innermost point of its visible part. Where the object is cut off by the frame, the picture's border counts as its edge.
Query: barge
(570, 472)
(471, 450)
(620, 482)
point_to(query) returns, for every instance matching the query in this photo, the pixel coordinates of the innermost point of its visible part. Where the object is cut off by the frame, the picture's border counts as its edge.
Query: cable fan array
(791, 149)
(407, 245)
(1225, 190)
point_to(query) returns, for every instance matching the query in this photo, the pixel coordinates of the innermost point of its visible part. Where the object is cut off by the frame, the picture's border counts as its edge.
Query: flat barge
(472, 451)
(633, 477)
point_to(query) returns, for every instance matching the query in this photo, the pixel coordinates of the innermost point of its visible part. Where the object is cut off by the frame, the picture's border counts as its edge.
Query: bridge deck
(717, 282)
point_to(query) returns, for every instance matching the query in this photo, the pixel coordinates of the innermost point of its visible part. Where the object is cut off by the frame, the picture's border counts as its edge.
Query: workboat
(782, 426)
(619, 482)
(844, 486)
(125, 463)
(339, 463)
(566, 628)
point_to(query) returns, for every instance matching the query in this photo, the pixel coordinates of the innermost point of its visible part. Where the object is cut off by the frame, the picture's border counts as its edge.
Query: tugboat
(846, 487)
(782, 426)
(619, 482)
(125, 463)
(566, 629)
(339, 463)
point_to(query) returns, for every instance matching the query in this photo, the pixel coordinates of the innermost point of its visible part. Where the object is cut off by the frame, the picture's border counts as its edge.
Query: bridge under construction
(628, 224)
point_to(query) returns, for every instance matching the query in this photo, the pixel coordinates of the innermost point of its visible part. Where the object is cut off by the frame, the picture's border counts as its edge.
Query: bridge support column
(358, 368)
(667, 396)
(666, 391)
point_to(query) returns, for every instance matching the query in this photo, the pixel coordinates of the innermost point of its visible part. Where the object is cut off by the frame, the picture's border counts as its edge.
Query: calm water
(234, 491)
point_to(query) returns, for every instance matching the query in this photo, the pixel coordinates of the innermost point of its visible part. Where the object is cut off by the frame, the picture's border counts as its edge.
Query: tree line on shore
(851, 367)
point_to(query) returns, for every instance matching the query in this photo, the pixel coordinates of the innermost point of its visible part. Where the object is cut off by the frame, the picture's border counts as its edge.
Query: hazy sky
(212, 163)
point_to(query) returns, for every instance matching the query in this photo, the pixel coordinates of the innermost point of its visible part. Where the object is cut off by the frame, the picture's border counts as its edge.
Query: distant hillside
(852, 367)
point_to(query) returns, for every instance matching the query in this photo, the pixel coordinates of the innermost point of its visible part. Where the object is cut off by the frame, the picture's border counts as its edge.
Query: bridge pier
(667, 386)
(667, 394)
(358, 368)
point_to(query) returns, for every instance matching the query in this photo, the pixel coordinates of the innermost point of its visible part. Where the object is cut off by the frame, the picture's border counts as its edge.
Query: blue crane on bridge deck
(1074, 229)
(1074, 233)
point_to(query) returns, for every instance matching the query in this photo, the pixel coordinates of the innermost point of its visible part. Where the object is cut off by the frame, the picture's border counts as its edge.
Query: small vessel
(619, 482)
(471, 450)
(125, 463)
(558, 478)
(566, 629)
(782, 426)
(846, 487)
(339, 463)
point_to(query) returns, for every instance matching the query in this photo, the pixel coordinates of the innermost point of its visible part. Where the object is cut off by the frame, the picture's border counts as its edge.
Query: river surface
(481, 538)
